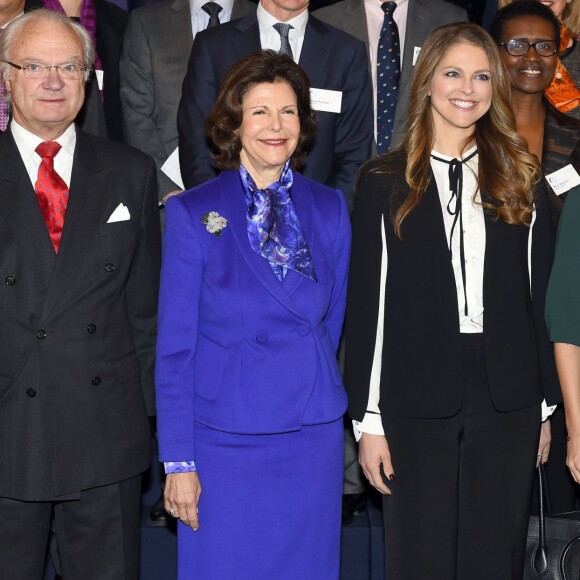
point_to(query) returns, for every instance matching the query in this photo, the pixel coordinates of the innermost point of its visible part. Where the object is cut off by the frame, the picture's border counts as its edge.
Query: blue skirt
(270, 506)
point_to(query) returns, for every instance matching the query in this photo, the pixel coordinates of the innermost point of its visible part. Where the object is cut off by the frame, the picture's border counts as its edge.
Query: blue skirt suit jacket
(238, 350)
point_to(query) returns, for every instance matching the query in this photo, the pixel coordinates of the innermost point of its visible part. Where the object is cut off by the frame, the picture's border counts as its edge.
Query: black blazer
(78, 329)
(332, 60)
(421, 363)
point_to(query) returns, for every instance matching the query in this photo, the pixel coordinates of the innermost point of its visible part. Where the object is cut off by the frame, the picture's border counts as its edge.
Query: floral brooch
(214, 223)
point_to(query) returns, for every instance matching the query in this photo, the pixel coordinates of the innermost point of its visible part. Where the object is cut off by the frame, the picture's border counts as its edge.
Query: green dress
(563, 298)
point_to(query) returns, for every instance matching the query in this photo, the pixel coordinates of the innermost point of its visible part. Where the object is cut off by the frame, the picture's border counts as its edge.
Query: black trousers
(98, 534)
(461, 494)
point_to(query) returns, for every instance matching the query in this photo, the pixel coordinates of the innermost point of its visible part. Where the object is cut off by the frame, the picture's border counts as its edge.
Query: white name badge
(416, 52)
(563, 180)
(99, 74)
(325, 100)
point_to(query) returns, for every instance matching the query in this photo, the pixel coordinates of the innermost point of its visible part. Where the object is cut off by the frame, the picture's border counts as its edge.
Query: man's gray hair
(42, 16)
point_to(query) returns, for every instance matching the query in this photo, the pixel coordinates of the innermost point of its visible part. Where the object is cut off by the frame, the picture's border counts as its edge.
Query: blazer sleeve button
(96, 381)
(10, 280)
(109, 267)
(31, 393)
(41, 335)
(91, 328)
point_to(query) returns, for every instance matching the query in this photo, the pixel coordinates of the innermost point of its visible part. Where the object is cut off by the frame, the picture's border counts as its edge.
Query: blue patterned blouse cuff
(179, 466)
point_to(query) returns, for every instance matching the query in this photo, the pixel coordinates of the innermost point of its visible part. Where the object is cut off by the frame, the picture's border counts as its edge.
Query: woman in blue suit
(249, 395)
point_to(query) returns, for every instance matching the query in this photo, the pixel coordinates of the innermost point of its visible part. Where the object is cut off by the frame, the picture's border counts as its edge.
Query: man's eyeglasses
(522, 47)
(38, 71)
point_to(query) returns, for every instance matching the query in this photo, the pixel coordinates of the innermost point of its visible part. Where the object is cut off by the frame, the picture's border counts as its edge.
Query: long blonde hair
(507, 172)
(570, 16)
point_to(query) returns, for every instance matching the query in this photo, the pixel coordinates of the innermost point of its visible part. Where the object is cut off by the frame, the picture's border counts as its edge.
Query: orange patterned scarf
(562, 92)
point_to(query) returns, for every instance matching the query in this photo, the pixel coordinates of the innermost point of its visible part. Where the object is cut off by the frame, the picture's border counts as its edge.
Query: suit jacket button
(109, 267)
(41, 335)
(31, 393)
(262, 336)
(96, 381)
(10, 280)
(91, 329)
(303, 330)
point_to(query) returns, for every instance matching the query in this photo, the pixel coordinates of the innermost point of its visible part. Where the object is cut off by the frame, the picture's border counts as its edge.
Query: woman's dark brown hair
(226, 115)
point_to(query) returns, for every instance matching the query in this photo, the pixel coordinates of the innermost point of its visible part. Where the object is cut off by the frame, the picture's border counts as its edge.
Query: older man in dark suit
(335, 63)
(79, 255)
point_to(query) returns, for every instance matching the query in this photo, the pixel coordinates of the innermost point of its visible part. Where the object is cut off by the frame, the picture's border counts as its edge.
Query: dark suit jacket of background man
(156, 51)
(332, 60)
(423, 17)
(78, 328)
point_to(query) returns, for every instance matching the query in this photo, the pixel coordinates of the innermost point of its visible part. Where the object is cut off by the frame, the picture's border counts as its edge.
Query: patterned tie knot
(283, 30)
(48, 149)
(212, 9)
(388, 7)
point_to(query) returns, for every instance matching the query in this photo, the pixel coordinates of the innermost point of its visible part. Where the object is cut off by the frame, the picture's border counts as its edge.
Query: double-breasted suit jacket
(238, 350)
(78, 328)
(332, 59)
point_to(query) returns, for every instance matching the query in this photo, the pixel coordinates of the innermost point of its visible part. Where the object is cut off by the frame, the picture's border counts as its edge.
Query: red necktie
(51, 192)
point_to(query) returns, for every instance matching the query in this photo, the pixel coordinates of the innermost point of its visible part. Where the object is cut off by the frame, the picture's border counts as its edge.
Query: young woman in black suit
(442, 350)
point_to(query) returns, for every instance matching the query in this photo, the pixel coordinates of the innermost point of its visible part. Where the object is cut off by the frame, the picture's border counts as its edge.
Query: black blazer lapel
(20, 210)
(86, 206)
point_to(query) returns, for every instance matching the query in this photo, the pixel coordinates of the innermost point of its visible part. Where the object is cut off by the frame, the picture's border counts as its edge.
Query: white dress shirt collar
(200, 18)
(27, 142)
(269, 37)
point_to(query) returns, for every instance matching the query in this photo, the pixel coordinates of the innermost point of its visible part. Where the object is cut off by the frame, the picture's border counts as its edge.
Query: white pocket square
(121, 214)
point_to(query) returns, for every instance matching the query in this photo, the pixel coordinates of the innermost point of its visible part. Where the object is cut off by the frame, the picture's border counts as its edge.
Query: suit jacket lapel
(354, 11)
(314, 54)
(86, 206)
(233, 198)
(19, 207)
(249, 41)
(559, 143)
(179, 33)
(417, 24)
